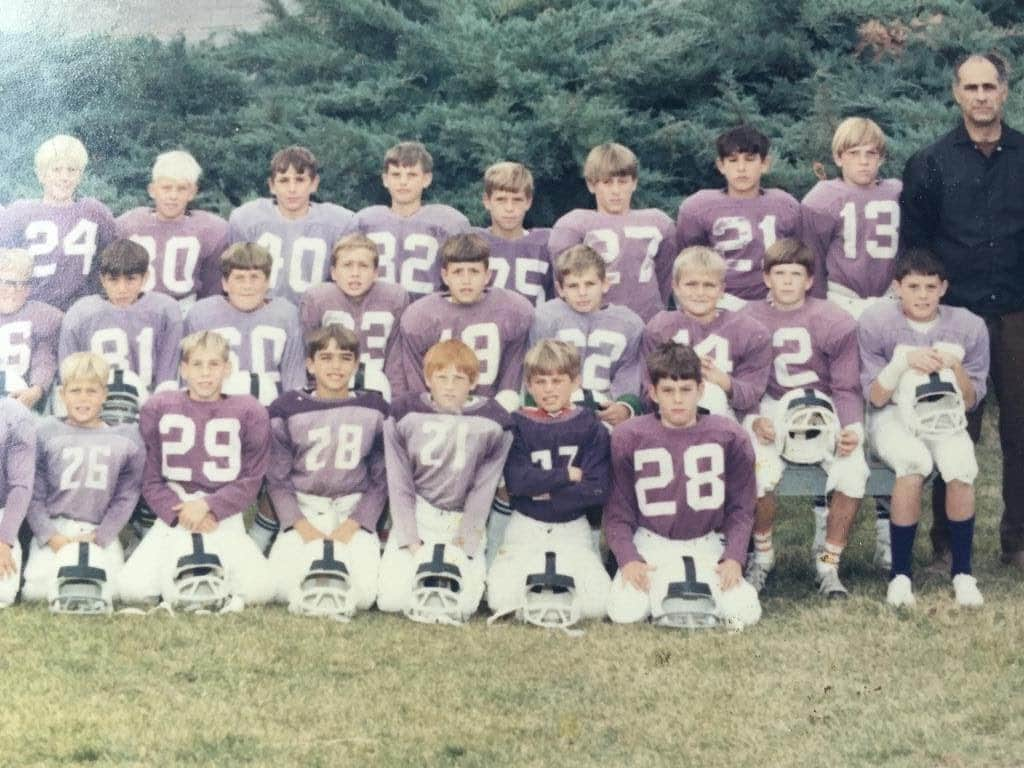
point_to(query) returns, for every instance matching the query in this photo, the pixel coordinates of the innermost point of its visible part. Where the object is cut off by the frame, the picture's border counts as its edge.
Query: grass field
(812, 685)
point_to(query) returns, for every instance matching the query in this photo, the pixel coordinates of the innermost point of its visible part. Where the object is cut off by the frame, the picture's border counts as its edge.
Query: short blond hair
(17, 260)
(577, 260)
(507, 176)
(178, 165)
(60, 147)
(551, 356)
(608, 160)
(84, 366)
(698, 258)
(209, 341)
(354, 242)
(855, 132)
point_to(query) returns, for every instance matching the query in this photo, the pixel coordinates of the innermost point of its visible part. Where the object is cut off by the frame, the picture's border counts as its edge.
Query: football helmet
(550, 599)
(80, 588)
(437, 585)
(125, 396)
(10, 382)
(806, 426)
(370, 379)
(714, 401)
(931, 404)
(679, 600)
(259, 385)
(197, 582)
(326, 589)
(589, 399)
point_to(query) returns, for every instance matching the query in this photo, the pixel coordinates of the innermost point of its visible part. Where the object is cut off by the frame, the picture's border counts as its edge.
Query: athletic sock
(263, 531)
(902, 537)
(961, 542)
(764, 552)
(829, 558)
(820, 523)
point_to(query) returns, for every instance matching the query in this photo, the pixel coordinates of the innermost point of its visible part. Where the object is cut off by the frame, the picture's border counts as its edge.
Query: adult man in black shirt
(963, 199)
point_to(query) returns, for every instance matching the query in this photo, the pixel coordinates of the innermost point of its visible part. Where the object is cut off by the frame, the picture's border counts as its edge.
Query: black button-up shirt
(968, 209)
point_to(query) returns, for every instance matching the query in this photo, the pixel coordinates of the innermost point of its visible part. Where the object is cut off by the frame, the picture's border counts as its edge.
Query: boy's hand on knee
(7, 566)
(57, 541)
(191, 513)
(729, 574)
(208, 524)
(637, 573)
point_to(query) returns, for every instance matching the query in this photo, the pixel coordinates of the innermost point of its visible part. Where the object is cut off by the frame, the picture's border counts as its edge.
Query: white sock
(820, 523)
(263, 531)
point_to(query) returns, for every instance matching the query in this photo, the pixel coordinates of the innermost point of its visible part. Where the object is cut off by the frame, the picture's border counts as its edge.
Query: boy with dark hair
(682, 503)
(297, 232)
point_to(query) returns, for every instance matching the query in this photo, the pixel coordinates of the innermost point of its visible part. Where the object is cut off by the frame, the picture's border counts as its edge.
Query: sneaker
(900, 593)
(967, 593)
(757, 575)
(830, 585)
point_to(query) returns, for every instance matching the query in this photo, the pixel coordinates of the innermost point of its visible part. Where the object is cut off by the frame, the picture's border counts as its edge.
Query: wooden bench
(809, 480)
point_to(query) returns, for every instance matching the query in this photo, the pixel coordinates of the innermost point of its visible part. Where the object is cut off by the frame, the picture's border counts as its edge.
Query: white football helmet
(259, 385)
(714, 401)
(931, 404)
(437, 585)
(80, 588)
(10, 382)
(550, 599)
(370, 379)
(125, 396)
(197, 582)
(806, 426)
(326, 589)
(679, 600)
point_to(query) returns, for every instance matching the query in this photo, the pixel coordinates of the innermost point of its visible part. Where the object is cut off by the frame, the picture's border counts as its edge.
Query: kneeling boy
(17, 476)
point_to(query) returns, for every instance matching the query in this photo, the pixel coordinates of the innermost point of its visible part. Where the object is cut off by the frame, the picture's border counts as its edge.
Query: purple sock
(961, 541)
(901, 538)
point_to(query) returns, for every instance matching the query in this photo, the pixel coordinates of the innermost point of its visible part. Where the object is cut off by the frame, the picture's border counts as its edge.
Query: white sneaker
(967, 593)
(883, 546)
(901, 592)
(830, 585)
(757, 574)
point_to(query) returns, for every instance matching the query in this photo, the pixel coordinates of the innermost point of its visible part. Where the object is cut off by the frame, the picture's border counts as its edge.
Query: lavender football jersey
(17, 465)
(142, 338)
(742, 229)
(267, 340)
(814, 346)
(638, 248)
(883, 327)
(862, 257)
(91, 475)
(496, 328)
(301, 248)
(66, 241)
(608, 341)
(28, 343)
(681, 483)
(451, 460)
(522, 265)
(409, 245)
(329, 448)
(738, 344)
(184, 253)
(543, 449)
(219, 449)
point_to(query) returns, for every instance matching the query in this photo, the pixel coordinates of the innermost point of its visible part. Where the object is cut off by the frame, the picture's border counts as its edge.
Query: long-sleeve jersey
(28, 343)
(17, 465)
(522, 265)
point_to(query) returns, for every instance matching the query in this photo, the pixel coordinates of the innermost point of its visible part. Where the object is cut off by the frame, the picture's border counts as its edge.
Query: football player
(607, 336)
(206, 457)
(681, 505)
(17, 476)
(493, 322)
(63, 232)
(357, 300)
(734, 349)
(637, 245)
(519, 257)
(88, 480)
(297, 232)
(743, 220)
(944, 351)
(131, 329)
(326, 476)
(815, 376)
(557, 469)
(409, 234)
(444, 451)
(29, 330)
(184, 245)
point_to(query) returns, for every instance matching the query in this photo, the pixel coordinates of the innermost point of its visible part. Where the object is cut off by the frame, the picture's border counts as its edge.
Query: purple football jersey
(638, 248)
(184, 253)
(681, 483)
(91, 475)
(883, 327)
(608, 341)
(814, 346)
(409, 245)
(862, 256)
(543, 449)
(496, 328)
(737, 343)
(142, 338)
(301, 248)
(521, 265)
(17, 465)
(28, 342)
(267, 340)
(220, 449)
(451, 460)
(329, 448)
(66, 241)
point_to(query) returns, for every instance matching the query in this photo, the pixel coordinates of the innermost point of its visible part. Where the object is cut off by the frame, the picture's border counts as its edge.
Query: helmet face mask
(685, 602)
(931, 405)
(125, 396)
(550, 599)
(81, 588)
(198, 583)
(807, 427)
(437, 589)
(325, 589)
